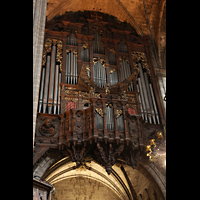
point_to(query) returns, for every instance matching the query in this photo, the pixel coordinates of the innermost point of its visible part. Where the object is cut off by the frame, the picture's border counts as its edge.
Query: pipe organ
(110, 71)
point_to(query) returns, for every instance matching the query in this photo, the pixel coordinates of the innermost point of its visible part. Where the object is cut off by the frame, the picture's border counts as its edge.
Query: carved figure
(47, 129)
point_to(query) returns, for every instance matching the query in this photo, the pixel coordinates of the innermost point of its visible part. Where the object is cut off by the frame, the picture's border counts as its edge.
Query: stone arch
(55, 167)
(117, 7)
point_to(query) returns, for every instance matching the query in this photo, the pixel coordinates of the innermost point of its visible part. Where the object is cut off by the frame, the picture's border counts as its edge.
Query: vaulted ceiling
(131, 11)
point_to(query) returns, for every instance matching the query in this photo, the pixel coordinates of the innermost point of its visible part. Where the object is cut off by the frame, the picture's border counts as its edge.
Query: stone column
(39, 17)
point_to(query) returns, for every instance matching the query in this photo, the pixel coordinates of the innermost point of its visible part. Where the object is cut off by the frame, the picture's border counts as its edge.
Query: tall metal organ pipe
(41, 90)
(46, 84)
(56, 90)
(154, 103)
(149, 96)
(143, 101)
(51, 81)
(59, 91)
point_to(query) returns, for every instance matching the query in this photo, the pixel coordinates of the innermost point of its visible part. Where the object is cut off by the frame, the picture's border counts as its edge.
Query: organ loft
(100, 119)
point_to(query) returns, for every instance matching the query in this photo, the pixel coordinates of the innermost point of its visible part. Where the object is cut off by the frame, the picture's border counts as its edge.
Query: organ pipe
(150, 98)
(41, 90)
(51, 81)
(46, 84)
(56, 89)
(71, 66)
(142, 98)
(59, 90)
(144, 90)
(141, 105)
(154, 103)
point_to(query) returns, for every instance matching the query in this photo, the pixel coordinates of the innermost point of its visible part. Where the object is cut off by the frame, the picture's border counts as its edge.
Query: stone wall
(81, 188)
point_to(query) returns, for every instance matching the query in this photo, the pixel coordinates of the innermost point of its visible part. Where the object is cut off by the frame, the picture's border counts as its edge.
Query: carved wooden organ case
(98, 91)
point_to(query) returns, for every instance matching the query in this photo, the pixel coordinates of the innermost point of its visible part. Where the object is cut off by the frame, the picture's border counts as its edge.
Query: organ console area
(97, 85)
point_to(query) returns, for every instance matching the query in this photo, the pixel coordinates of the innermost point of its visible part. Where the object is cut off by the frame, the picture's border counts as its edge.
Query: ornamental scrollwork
(140, 57)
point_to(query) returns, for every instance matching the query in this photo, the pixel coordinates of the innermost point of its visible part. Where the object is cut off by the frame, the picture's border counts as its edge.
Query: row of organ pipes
(126, 72)
(109, 120)
(146, 97)
(71, 68)
(99, 75)
(98, 46)
(49, 96)
(113, 78)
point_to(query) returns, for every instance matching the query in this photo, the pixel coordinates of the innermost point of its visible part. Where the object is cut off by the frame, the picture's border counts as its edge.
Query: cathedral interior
(99, 99)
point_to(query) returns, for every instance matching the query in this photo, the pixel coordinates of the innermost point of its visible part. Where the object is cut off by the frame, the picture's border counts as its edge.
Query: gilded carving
(101, 60)
(100, 111)
(59, 53)
(111, 50)
(112, 71)
(140, 57)
(123, 58)
(118, 113)
(84, 46)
